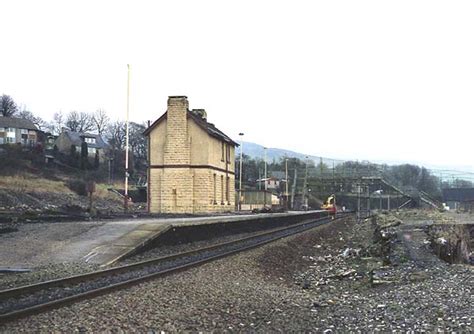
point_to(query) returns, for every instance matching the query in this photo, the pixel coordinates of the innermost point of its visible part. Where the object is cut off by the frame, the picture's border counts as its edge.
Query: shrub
(78, 186)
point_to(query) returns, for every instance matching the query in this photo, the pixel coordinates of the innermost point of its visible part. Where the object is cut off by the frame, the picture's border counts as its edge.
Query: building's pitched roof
(211, 129)
(202, 123)
(19, 123)
(76, 139)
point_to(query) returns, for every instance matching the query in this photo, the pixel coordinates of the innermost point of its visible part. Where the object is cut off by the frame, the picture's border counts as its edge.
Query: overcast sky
(344, 79)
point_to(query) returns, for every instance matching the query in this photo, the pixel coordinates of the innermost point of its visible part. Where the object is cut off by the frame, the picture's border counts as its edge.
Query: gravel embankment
(45, 273)
(318, 281)
(184, 247)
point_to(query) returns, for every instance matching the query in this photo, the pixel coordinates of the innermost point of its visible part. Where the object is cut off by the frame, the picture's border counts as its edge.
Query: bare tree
(8, 107)
(79, 121)
(72, 121)
(116, 135)
(58, 123)
(116, 138)
(138, 142)
(101, 120)
(36, 120)
(86, 122)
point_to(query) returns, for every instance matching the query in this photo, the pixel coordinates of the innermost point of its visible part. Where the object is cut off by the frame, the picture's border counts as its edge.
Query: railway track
(36, 298)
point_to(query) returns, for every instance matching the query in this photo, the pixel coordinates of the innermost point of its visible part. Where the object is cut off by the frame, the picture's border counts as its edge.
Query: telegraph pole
(305, 182)
(240, 177)
(293, 190)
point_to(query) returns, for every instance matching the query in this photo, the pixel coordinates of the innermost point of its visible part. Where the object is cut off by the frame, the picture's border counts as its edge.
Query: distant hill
(256, 151)
(446, 172)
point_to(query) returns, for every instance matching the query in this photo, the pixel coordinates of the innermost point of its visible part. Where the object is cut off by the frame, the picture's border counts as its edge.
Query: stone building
(18, 131)
(191, 162)
(95, 144)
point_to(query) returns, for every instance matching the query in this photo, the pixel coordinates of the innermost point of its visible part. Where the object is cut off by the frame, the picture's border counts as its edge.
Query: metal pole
(240, 177)
(358, 201)
(293, 189)
(286, 185)
(368, 199)
(126, 137)
(259, 179)
(305, 183)
(265, 176)
(333, 179)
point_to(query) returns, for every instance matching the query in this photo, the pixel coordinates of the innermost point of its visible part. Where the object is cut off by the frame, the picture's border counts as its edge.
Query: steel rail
(68, 281)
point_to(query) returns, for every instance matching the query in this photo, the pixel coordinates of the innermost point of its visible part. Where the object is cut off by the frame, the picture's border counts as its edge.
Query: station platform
(146, 231)
(104, 242)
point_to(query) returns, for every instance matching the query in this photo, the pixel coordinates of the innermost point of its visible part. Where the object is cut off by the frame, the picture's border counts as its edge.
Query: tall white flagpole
(126, 137)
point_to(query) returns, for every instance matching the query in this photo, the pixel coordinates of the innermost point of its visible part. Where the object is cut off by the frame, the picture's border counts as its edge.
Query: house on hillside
(18, 131)
(190, 162)
(95, 144)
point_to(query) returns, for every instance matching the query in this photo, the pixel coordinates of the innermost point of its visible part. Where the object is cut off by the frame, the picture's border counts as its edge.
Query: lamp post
(241, 134)
(265, 176)
(286, 182)
(305, 183)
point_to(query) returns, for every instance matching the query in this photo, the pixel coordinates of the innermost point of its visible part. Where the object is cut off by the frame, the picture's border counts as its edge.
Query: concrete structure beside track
(146, 231)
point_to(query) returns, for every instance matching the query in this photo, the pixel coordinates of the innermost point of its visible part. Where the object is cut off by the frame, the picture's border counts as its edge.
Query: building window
(89, 140)
(215, 189)
(24, 131)
(228, 154)
(91, 150)
(222, 151)
(2, 140)
(227, 195)
(222, 189)
(10, 140)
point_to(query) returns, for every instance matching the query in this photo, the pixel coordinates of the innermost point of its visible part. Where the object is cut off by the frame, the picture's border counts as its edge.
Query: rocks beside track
(361, 291)
(45, 273)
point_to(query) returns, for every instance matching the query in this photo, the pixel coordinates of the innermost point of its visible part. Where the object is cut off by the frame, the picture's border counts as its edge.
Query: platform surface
(98, 242)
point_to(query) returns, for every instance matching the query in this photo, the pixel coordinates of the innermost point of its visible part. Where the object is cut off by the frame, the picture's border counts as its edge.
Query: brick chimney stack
(177, 149)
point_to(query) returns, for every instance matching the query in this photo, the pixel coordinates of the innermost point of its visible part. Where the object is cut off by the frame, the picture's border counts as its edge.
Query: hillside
(445, 172)
(256, 151)
(32, 190)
